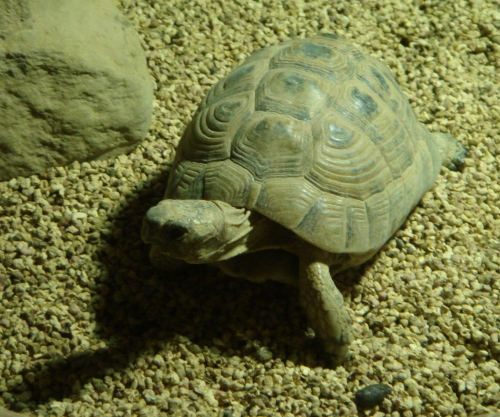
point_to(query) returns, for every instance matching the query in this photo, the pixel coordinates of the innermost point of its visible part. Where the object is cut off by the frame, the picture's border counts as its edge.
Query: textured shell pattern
(314, 135)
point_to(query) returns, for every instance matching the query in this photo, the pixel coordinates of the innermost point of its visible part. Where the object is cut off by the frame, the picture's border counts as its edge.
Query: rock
(371, 395)
(74, 84)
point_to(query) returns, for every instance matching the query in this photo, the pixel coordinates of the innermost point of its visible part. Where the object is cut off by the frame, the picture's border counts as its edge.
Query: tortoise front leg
(324, 306)
(274, 264)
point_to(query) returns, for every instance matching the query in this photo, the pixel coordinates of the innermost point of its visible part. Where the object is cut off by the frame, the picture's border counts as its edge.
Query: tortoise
(301, 162)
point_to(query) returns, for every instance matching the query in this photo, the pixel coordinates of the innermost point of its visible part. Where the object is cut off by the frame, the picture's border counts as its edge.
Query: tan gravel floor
(88, 328)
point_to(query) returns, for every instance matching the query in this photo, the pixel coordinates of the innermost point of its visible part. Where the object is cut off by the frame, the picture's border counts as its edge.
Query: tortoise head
(195, 231)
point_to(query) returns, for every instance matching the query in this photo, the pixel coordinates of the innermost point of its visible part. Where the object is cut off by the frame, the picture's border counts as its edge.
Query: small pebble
(371, 395)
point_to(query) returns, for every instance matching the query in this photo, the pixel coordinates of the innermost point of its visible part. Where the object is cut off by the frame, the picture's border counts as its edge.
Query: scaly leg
(324, 306)
(274, 264)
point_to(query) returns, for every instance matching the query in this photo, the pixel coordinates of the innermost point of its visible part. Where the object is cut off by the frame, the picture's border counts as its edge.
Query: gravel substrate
(89, 328)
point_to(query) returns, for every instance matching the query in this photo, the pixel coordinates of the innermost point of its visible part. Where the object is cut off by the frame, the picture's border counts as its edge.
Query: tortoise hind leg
(452, 152)
(324, 306)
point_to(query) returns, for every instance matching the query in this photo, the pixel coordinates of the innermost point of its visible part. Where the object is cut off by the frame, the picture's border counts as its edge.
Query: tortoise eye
(175, 232)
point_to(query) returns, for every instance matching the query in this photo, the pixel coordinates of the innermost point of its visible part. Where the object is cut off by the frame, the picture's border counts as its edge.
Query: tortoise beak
(152, 225)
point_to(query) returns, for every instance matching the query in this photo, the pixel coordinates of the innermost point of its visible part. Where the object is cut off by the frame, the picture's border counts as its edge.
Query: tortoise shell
(314, 135)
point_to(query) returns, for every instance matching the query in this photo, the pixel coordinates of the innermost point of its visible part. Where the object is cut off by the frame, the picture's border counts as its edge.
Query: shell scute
(364, 104)
(272, 145)
(227, 181)
(206, 137)
(343, 160)
(289, 92)
(243, 79)
(324, 60)
(186, 181)
(278, 195)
